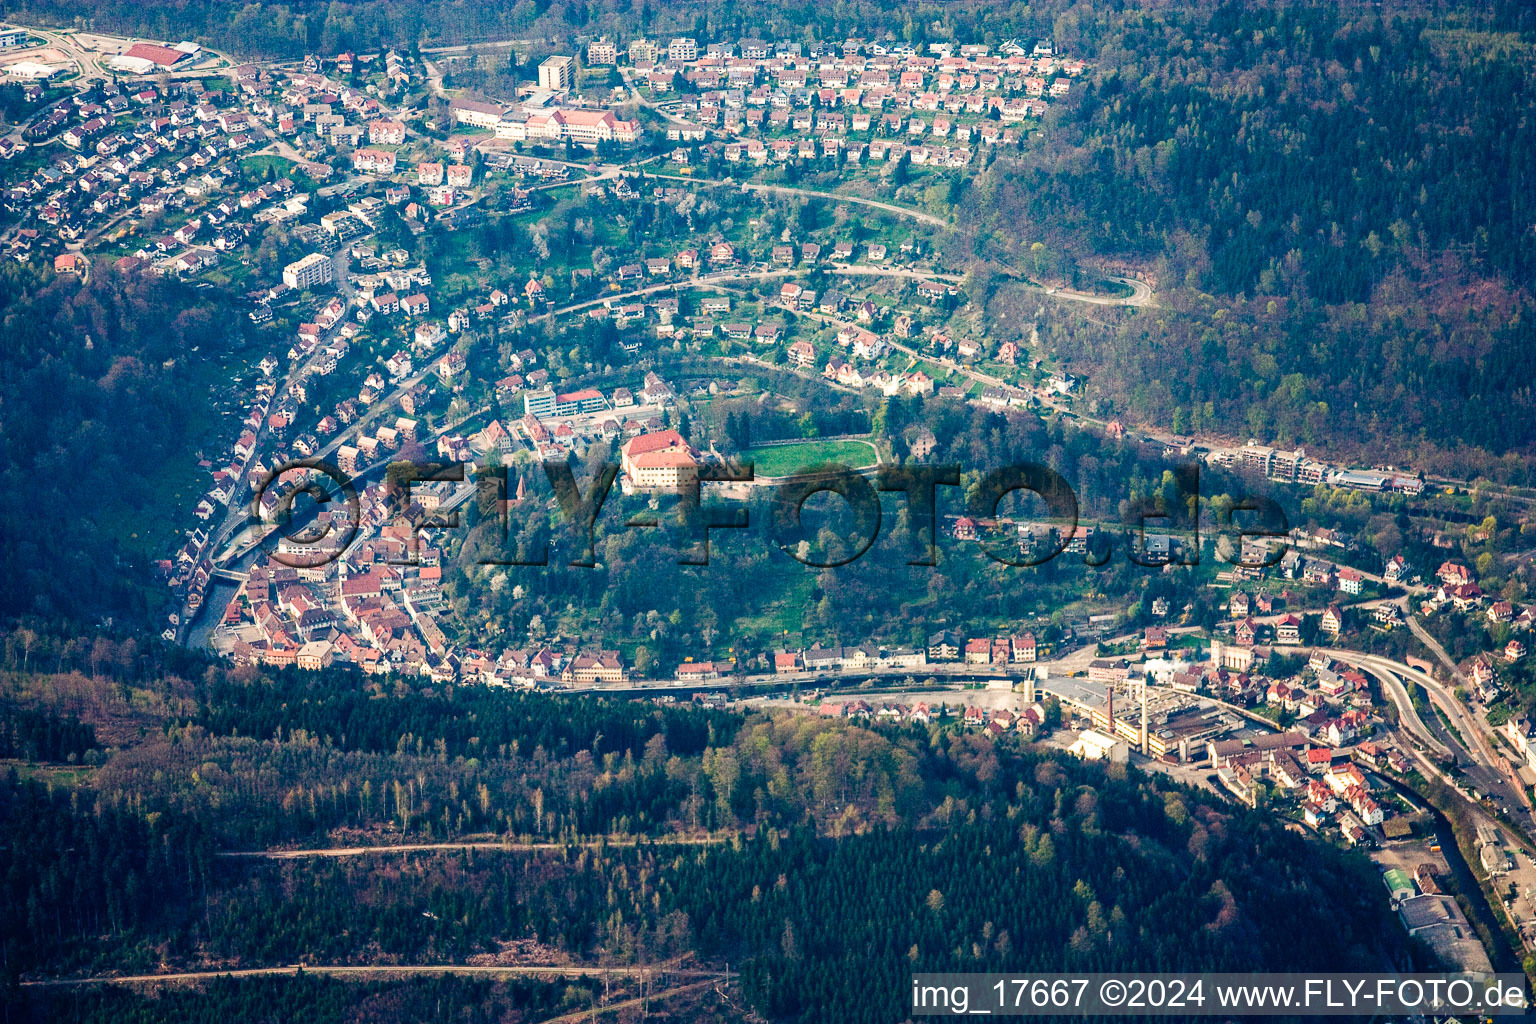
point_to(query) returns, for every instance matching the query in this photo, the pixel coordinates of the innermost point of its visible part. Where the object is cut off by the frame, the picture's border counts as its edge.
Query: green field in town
(784, 459)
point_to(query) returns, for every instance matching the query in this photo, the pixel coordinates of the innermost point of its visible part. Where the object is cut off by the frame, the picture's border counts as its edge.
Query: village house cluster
(167, 148)
(122, 150)
(378, 606)
(758, 101)
(129, 149)
(168, 151)
(1456, 590)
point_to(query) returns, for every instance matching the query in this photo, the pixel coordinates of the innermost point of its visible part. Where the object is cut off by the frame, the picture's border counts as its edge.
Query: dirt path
(347, 970)
(488, 844)
(627, 1004)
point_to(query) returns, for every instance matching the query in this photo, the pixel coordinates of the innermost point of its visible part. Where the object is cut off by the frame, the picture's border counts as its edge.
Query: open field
(784, 459)
(261, 163)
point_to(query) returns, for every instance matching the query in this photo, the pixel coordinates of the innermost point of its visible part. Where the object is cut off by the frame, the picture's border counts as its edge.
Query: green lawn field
(784, 459)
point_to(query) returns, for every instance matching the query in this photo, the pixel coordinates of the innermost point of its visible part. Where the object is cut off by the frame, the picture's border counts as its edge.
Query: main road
(1473, 730)
(1407, 714)
(1482, 765)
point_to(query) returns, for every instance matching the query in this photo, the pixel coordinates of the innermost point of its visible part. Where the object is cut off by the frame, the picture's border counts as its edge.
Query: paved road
(1466, 722)
(1417, 629)
(636, 97)
(379, 408)
(237, 510)
(434, 78)
(722, 280)
(1141, 292)
(789, 190)
(1484, 767)
(869, 271)
(18, 130)
(487, 44)
(1407, 714)
(1075, 661)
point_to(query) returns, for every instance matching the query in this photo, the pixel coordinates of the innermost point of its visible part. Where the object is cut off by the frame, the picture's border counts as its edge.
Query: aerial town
(619, 252)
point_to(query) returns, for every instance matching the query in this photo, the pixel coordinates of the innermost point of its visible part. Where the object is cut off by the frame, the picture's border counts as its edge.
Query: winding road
(1408, 715)
(790, 190)
(1141, 292)
(1479, 762)
(726, 280)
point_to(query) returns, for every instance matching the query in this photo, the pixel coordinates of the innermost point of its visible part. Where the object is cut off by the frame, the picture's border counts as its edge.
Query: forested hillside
(779, 844)
(1336, 207)
(104, 399)
(1304, 151)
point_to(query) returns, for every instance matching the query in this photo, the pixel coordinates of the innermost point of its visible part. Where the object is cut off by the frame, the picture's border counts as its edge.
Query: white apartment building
(642, 53)
(583, 127)
(557, 74)
(309, 272)
(602, 52)
(477, 113)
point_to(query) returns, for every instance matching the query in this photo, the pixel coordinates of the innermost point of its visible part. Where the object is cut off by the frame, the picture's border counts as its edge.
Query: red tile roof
(165, 56)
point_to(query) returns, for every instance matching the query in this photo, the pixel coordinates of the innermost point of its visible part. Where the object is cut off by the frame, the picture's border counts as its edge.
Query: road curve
(900, 211)
(1407, 714)
(727, 279)
(1417, 629)
(1141, 294)
(790, 190)
(1492, 770)
(1465, 722)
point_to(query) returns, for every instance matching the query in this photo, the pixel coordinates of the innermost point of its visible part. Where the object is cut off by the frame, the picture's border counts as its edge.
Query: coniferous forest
(823, 860)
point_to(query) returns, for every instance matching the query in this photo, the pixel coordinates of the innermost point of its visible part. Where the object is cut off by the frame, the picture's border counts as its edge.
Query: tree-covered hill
(1336, 205)
(105, 398)
(806, 852)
